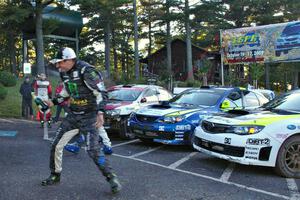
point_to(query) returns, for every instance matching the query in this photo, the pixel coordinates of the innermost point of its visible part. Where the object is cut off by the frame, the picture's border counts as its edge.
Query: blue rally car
(174, 121)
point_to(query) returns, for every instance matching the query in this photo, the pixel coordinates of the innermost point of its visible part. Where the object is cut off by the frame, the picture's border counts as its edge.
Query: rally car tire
(124, 130)
(288, 158)
(191, 139)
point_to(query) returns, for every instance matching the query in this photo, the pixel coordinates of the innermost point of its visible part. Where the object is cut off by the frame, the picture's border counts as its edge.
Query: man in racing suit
(83, 86)
(43, 90)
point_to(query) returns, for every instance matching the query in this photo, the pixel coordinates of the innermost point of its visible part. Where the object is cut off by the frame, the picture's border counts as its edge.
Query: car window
(250, 99)
(124, 94)
(291, 30)
(233, 104)
(149, 92)
(262, 99)
(163, 95)
(197, 98)
(151, 96)
(287, 101)
(236, 99)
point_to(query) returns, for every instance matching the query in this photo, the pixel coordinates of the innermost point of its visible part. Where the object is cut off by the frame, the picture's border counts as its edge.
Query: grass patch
(11, 106)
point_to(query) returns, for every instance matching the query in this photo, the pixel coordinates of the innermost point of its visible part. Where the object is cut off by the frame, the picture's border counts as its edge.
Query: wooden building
(156, 63)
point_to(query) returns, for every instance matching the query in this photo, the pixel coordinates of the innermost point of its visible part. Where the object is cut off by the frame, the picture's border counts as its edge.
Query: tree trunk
(296, 79)
(136, 45)
(123, 64)
(12, 53)
(40, 63)
(115, 52)
(188, 43)
(150, 39)
(169, 49)
(267, 76)
(204, 79)
(127, 66)
(107, 48)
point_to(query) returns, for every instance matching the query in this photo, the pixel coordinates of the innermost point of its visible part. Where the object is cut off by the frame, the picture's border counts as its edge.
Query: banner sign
(264, 44)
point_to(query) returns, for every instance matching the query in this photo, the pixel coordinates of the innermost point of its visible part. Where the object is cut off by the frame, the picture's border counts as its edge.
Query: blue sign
(8, 133)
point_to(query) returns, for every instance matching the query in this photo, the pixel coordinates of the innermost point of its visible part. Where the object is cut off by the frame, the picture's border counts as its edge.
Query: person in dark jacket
(25, 91)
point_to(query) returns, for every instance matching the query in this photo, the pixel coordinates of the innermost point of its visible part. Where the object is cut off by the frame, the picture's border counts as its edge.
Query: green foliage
(189, 83)
(3, 92)
(11, 105)
(256, 71)
(7, 79)
(231, 78)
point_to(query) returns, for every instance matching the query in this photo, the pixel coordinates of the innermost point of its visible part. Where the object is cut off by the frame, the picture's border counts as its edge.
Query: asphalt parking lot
(146, 171)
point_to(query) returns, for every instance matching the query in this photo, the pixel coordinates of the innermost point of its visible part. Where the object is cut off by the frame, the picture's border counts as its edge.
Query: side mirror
(225, 105)
(143, 100)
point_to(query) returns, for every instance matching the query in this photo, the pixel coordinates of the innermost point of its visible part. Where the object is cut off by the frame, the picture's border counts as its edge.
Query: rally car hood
(162, 110)
(257, 118)
(116, 104)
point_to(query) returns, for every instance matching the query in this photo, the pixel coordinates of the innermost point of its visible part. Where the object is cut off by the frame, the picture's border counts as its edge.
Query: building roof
(145, 60)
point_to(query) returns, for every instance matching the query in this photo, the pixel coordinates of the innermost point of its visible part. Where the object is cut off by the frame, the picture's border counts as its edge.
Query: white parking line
(227, 172)
(124, 143)
(5, 120)
(179, 162)
(207, 177)
(145, 152)
(292, 186)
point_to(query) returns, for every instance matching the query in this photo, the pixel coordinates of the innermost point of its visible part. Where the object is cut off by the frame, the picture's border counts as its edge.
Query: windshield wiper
(281, 111)
(115, 99)
(187, 104)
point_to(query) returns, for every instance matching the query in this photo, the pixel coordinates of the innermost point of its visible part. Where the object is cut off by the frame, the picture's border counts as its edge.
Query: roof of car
(219, 90)
(133, 86)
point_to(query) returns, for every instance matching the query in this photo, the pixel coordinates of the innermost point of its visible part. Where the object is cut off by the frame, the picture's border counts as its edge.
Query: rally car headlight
(246, 130)
(173, 119)
(203, 117)
(113, 112)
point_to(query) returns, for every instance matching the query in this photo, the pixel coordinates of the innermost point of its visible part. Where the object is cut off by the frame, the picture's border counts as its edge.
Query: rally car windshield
(196, 98)
(287, 102)
(124, 95)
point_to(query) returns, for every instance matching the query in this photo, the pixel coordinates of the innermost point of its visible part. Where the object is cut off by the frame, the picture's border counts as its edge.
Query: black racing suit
(83, 85)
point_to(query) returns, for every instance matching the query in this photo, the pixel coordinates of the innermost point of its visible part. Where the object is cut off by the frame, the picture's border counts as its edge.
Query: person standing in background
(25, 91)
(43, 90)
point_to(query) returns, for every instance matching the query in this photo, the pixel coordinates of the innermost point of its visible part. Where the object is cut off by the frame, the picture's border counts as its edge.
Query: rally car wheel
(124, 130)
(288, 159)
(191, 139)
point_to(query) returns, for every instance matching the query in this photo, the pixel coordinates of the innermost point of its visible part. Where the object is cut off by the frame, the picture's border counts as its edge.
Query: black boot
(114, 183)
(49, 124)
(51, 180)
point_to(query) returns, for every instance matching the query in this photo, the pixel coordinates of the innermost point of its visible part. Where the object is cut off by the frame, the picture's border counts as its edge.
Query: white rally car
(269, 136)
(124, 99)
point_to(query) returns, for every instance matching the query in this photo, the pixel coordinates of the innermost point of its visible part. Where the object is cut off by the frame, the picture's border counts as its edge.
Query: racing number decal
(227, 140)
(73, 89)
